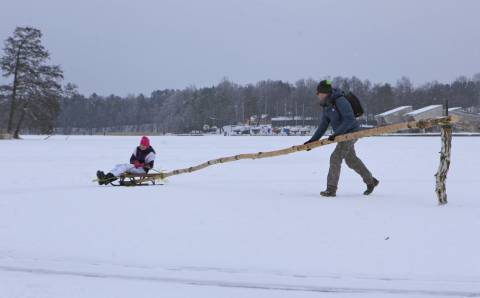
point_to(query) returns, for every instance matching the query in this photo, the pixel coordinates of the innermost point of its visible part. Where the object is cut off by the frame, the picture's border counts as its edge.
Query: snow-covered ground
(245, 229)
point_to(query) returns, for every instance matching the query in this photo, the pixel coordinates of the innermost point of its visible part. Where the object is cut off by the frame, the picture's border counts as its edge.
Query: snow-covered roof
(281, 118)
(287, 118)
(454, 109)
(389, 112)
(423, 110)
(303, 118)
(241, 127)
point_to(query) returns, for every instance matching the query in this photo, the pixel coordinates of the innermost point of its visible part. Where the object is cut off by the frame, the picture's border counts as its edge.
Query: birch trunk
(441, 175)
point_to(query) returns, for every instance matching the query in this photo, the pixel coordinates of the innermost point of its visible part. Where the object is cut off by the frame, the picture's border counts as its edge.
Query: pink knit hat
(145, 141)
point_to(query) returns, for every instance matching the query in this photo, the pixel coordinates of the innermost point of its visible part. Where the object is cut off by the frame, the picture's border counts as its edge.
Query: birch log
(441, 175)
(418, 124)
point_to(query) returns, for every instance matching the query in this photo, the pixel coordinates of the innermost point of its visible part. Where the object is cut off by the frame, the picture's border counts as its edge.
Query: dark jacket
(337, 112)
(146, 157)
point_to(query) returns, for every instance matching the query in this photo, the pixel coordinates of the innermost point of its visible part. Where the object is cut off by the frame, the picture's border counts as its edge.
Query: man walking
(338, 112)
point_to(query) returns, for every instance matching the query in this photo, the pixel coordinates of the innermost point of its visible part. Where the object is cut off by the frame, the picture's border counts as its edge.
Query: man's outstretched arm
(322, 128)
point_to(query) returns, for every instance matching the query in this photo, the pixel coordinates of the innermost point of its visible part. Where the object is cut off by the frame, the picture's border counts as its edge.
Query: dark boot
(331, 191)
(100, 177)
(109, 178)
(371, 187)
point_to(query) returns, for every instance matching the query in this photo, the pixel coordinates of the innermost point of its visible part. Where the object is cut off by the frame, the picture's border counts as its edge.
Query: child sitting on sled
(141, 162)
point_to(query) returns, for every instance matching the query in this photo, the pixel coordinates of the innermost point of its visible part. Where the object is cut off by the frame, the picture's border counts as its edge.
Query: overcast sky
(127, 46)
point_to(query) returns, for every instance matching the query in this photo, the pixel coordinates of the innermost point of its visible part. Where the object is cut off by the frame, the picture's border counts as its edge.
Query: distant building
(256, 120)
(393, 115)
(282, 121)
(455, 109)
(425, 112)
(469, 121)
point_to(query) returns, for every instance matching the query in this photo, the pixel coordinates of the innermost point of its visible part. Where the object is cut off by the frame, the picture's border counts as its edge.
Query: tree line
(180, 111)
(36, 102)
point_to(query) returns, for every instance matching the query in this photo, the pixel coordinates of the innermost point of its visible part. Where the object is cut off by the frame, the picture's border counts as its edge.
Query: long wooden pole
(418, 124)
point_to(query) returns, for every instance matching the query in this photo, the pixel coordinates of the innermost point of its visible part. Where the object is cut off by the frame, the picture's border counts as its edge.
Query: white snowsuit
(126, 168)
(146, 157)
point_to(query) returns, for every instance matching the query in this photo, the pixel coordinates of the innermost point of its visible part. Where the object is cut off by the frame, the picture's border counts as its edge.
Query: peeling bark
(441, 175)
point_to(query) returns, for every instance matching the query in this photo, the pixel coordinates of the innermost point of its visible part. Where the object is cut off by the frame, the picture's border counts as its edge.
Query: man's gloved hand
(332, 137)
(138, 164)
(306, 143)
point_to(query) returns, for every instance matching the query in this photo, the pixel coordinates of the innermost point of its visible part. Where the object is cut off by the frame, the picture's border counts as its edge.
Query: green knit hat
(324, 86)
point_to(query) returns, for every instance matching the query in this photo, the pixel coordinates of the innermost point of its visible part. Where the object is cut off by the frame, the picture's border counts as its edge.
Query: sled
(137, 180)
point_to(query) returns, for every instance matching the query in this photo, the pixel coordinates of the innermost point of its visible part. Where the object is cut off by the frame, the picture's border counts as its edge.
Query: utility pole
(296, 114)
(265, 100)
(303, 114)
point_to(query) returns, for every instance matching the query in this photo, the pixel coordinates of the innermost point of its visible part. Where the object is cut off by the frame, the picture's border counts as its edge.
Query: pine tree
(35, 89)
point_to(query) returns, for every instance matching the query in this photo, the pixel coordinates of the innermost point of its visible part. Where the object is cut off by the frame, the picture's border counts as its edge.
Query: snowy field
(245, 229)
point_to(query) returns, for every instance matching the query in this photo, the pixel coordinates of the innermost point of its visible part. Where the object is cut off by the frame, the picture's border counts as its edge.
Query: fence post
(441, 175)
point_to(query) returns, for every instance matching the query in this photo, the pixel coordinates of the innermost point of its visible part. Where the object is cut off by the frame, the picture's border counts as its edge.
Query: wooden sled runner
(137, 180)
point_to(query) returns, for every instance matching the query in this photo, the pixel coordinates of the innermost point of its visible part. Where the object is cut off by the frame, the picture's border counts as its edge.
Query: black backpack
(355, 103)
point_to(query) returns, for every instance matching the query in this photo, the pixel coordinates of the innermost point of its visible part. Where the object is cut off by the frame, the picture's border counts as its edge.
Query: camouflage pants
(346, 150)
